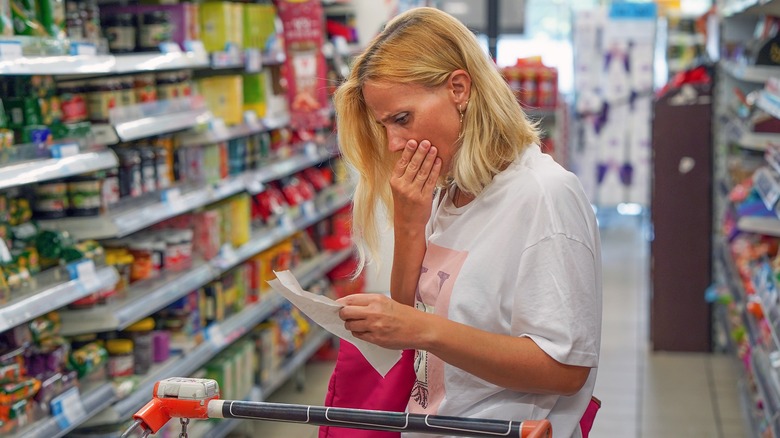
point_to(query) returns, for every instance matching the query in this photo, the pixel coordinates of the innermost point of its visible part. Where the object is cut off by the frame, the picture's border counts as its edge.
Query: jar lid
(144, 325)
(119, 346)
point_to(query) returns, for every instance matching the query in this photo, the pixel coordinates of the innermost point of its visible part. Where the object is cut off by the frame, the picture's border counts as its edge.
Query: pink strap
(586, 423)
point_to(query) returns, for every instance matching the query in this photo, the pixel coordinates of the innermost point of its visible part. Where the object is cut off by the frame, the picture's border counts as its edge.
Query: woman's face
(412, 112)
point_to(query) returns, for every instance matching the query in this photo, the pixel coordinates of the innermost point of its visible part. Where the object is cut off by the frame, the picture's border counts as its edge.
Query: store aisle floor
(645, 394)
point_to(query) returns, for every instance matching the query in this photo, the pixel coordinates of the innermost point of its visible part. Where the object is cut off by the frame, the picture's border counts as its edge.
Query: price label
(216, 336)
(10, 49)
(172, 198)
(254, 60)
(84, 272)
(218, 127)
(67, 408)
(85, 49)
(5, 254)
(251, 120)
(196, 47)
(64, 150)
(169, 47)
(309, 210)
(254, 186)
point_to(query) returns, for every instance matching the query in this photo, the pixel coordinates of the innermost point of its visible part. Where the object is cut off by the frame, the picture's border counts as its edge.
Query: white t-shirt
(523, 258)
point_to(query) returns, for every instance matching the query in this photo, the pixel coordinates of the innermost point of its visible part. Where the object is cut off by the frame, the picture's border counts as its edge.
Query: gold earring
(461, 114)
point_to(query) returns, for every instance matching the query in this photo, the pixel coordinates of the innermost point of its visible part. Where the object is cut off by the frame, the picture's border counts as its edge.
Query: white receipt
(325, 312)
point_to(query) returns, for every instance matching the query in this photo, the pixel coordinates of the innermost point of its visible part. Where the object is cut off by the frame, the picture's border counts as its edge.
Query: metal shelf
(750, 73)
(52, 295)
(139, 214)
(149, 62)
(243, 130)
(760, 225)
(147, 297)
(70, 65)
(125, 221)
(219, 336)
(755, 7)
(93, 401)
(29, 172)
(277, 379)
(144, 298)
(161, 124)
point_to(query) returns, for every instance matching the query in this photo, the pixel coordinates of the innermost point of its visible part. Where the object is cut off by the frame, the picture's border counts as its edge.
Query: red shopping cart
(187, 399)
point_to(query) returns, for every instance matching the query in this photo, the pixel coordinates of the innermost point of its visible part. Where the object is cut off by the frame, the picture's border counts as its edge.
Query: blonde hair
(424, 46)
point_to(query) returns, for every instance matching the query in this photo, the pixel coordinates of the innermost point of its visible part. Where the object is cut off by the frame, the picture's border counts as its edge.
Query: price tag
(254, 60)
(311, 150)
(196, 47)
(64, 150)
(169, 47)
(227, 256)
(218, 127)
(309, 210)
(104, 134)
(84, 272)
(216, 336)
(86, 49)
(5, 254)
(10, 49)
(254, 186)
(251, 120)
(172, 198)
(67, 408)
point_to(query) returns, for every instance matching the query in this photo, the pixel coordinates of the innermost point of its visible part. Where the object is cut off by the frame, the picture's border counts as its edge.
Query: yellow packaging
(254, 93)
(224, 96)
(216, 21)
(258, 25)
(241, 218)
(237, 24)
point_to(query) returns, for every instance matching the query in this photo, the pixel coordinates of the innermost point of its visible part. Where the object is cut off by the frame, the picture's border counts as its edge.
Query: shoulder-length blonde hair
(423, 46)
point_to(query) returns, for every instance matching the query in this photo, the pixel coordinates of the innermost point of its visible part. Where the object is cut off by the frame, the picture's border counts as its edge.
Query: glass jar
(168, 85)
(84, 195)
(141, 335)
(120, 31)
(155, 29)
(130, 183)
(73, 101)
(121, 361)
(148, 169)
(51, 200)
(145, 88)
(103, 95)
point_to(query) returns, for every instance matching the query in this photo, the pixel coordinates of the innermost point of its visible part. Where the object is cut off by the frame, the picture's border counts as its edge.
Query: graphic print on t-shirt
(440, 269)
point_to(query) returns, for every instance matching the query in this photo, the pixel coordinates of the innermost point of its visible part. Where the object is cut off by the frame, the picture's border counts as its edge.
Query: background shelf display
(219, 337)
(144, 213)
(243, 130)
(149, 296)
(750, 73)
(29, 172)
(51, 295)
(86, 405)
(137, 216)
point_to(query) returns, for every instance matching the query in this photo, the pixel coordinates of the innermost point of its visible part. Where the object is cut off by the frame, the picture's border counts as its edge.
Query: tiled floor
(644, 394)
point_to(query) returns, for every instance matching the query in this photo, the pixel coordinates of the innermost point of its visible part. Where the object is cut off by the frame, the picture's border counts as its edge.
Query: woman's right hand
(413, 182)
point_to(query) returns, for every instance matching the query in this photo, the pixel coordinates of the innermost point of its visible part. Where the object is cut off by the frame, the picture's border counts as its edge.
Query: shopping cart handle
(199, 398)
(536, 429)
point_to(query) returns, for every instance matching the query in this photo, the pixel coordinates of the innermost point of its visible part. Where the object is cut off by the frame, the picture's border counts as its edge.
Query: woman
(496, 275)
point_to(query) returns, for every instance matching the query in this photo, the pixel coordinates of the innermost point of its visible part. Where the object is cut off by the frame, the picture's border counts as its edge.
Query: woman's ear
(459, 84)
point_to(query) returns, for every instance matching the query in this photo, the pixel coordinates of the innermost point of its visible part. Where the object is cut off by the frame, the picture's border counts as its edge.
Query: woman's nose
(395, 143)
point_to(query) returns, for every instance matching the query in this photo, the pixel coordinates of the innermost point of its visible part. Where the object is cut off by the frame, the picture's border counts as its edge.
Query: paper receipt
(325, 312)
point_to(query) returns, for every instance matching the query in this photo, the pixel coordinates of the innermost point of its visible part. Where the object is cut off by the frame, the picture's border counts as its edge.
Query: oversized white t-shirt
(523, 258)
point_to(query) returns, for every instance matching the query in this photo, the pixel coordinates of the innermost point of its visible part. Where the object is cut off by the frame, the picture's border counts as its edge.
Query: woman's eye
(402, 119)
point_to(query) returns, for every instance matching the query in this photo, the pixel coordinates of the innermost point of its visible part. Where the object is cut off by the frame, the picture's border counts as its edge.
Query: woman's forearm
(516, 363)
(408, 254)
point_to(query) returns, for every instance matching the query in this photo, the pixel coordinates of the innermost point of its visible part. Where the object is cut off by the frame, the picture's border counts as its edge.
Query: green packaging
(6, 23)
(51, 14)
(25, 20)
